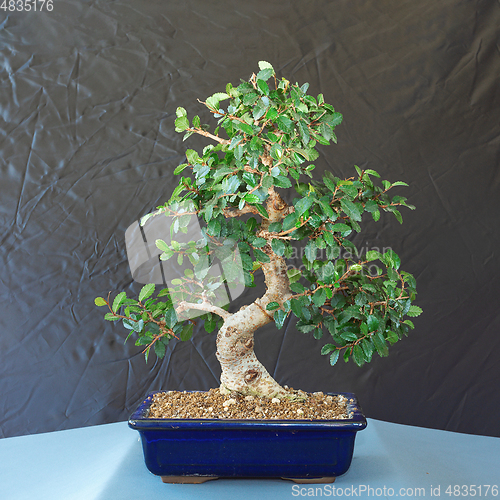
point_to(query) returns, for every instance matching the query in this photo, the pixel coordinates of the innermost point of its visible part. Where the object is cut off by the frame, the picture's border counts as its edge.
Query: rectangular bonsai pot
(178, 449)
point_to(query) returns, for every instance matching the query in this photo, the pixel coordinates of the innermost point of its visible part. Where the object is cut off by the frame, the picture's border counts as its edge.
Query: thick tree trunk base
(242, 372)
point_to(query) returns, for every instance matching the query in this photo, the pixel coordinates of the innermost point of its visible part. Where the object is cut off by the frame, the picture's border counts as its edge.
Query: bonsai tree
(264, 143)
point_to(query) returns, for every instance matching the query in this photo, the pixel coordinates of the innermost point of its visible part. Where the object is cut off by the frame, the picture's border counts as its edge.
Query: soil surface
(213, 404)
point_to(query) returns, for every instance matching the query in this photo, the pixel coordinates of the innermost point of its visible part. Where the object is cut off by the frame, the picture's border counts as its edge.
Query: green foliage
(270, 129)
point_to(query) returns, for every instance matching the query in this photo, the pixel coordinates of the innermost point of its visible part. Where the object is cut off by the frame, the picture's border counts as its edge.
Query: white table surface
(105, 462)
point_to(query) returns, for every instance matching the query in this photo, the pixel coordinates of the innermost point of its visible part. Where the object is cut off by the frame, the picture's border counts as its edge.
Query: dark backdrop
(88, 94)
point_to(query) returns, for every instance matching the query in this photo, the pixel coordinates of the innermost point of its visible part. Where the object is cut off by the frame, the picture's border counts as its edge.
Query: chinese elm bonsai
(265, 142)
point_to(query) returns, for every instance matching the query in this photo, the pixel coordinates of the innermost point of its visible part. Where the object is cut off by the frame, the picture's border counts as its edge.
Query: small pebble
(249, 398)
(275, 400)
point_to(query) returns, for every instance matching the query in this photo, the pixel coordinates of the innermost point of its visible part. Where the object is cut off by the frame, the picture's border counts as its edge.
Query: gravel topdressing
(212, 404)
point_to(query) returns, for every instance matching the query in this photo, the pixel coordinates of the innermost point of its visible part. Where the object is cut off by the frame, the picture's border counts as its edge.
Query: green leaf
(391, 259)
(372, 322)
(329, 239)
(398, 216)
(214, 100)
(319, 297)
(244, 127)
(263, 87)
(379, 343)
(279, 318)
(310, 251)
(372, 172)
(181, 124)
(271, 114)
(328, 348)
(352, 210)
(99, 301)
(358, 355)
(297, 288)
(262, 210)
(272, 306)
(326, 208)
(160, 349)
(166, 254)
(118, 301)
(210, 323)
(278, 247)
(250, 98)
(170, 318)
(138, 326)
(259, 242)
(342, 228)
(146, 291)
(337, 119)
(250, 179)
(413, 312)
(187, 332)
(285, 124)
(304, 133)
(289, 221)
(371, 206)
(265, 74)
(265, 65)
(329, 184)
(294, 275)
(180, 168)
(192, 156)
(349, 336)
(372, 255)
(180, 112)
(252, 199)
(282, 182)
(110, 317)
(162, 246)
(303, 204)
(261, 256)
(334, 357)
(392, 337)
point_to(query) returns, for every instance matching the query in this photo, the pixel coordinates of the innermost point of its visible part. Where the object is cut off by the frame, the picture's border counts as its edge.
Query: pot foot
(310, 480)
(187, 479)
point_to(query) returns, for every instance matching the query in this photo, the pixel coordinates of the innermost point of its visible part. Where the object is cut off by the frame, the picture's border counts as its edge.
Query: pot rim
(139, 421)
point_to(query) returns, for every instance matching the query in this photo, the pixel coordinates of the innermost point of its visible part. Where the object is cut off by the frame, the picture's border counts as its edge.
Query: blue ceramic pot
(179, 449)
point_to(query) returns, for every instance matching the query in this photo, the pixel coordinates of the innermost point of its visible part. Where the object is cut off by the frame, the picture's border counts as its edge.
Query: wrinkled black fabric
(88, 94)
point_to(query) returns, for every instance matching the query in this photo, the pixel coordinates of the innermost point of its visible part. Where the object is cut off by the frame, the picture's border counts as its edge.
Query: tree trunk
(241, 370)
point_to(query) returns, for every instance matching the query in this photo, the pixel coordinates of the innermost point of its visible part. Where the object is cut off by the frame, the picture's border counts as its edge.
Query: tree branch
(208, 134)
(204, 306)
(236, 212)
